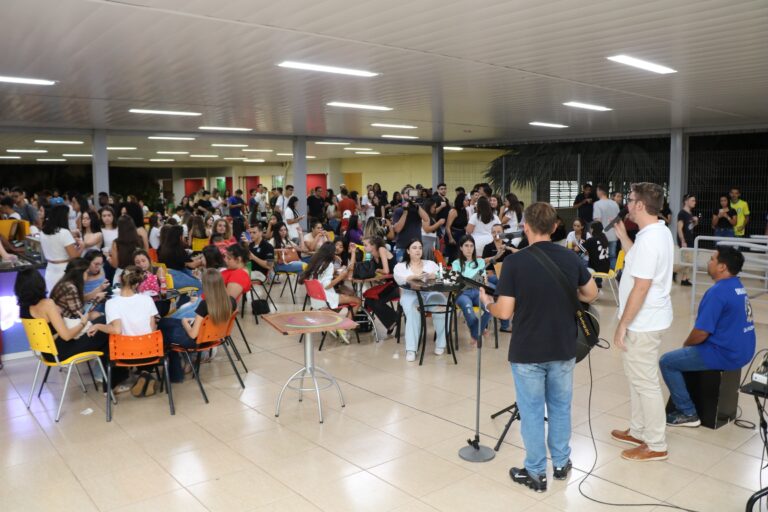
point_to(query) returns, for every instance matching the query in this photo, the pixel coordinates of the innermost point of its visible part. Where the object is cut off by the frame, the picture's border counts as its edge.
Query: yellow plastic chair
(331, 236)
(198, 244)
(610, 276)
(41, 342)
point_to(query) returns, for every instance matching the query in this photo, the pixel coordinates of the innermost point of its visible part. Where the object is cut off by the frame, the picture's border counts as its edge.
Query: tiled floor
(394, 447)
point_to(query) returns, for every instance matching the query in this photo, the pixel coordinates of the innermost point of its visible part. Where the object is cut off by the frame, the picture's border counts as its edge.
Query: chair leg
(496, 331)
(237, 352)
(80, 378)
(232, 362)
(287, 281)
(109, 392)
(45, 379)
(196, 373)
(399, 321)
(242, 308)
(168, 386)
(291, 287)
(269, 296)
(247, 345)
(322, 340)
(301, 339)
(64, 392)
(93, 378)
(34, 382)
(306, 302)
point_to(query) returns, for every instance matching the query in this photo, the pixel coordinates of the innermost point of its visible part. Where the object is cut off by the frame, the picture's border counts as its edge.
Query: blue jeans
(294, 267)
(184, 279)
(505, 324)
(613, 251)
(410, 303)
(173, 332)
(185, 309)
(399, 253)
(538, 384)
(466, 300)
(673, 364)
(724, 232)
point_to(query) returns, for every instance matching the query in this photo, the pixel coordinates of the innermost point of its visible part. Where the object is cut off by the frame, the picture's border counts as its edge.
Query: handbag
(260, 307)
(587, 323)
(364, 269)
(287, 255)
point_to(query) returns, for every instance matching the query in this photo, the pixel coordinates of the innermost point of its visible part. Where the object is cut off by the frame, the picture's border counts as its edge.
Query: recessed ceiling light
(162, 160)
(51, 159)
(401, 126)
(367, 153)
(326, 69)
(453, 148)
(26, 150)
(399, 137)
(129, 158)
(258, 150)
(255, 160)
(121, 148)
(588, 106)
(163, 137)
(357, 149)
(225, 128)
(229, 145)
(356, 105)
(547, 125)
(163, 112)
(173, 152)
(78, 155)
(204, 156)
(26, 81)
(310, 157)
(284, 154)
(330, 143)
(642, 64)
(236, 158)
(41, 141)
(9, 157)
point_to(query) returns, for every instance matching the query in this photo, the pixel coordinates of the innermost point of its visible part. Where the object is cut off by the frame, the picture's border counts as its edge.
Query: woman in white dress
(480, 224)
(58, 244)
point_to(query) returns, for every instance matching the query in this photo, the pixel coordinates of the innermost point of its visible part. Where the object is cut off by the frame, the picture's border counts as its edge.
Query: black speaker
(715, 393)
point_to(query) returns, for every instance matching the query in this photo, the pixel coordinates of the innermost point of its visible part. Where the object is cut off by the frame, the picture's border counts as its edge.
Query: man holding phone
(260, 253)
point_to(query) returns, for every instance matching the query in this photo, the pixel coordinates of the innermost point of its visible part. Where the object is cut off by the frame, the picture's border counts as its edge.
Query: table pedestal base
(316, 374)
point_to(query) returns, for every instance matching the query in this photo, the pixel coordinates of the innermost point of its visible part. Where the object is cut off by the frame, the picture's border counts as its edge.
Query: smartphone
(248, 236)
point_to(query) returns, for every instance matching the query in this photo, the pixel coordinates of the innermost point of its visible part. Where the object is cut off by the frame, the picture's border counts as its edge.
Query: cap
(347, 214)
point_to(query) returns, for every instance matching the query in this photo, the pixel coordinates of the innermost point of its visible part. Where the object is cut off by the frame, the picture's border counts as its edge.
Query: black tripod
(515, 412)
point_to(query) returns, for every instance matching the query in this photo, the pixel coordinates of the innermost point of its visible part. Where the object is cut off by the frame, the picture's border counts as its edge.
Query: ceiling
(461, 71)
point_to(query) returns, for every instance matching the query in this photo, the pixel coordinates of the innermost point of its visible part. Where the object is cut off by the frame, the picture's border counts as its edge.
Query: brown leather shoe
(643, 454)
(624, 437)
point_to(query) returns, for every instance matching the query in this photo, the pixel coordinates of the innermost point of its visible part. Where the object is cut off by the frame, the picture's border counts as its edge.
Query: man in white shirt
(282, 201)
(645, 311)
(604, 211)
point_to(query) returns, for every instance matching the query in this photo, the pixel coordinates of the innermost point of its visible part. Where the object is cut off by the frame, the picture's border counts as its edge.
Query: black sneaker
(521, 476)
(685, 282)
(562, 473)
(678, 419)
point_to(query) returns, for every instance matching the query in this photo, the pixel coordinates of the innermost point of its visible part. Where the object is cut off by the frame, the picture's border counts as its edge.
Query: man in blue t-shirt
(236, 204)
(722, 339)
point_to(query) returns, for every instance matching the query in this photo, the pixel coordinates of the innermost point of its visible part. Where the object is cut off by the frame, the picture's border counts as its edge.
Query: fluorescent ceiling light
(258, 150)
(9, 157)
(26, 150)
(204, 156)
(330, 143)
(236, 158)
(588, 106)
(163, 137)
(225, 128)
(162, 160)
(284, 154)
(400, 126)
(229, 145)
(256, 160)
(129, 158)
(547, 125)
(399, 137)
(453, 148)
(367, 153)
(357, 149)
(310, 157)
(173, 152)
(41, 141)
(78, 155)
(356, 105)
(164, 112)
(51, 159)
(121, 148)
(26, 81)
(642, 64)
(326, 69)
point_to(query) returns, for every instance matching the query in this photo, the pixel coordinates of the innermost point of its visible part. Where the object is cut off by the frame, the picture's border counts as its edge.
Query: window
(562, 193)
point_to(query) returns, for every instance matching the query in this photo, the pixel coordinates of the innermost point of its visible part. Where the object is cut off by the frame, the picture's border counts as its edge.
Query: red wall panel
(191, 186)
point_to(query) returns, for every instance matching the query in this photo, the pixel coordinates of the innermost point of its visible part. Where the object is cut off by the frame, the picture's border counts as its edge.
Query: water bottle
(439, 275)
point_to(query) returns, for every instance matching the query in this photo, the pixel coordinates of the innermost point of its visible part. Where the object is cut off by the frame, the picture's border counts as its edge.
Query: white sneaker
(343, 336)
(410, 356)
(439, 351)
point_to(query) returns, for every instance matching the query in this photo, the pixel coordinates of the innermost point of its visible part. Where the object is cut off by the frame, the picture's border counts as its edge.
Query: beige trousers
(641, 366)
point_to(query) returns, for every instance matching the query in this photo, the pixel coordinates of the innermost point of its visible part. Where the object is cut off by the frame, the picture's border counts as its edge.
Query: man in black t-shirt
(583, 203)
(316, 205)
(261, 254)
(542, 350)
(686, 222)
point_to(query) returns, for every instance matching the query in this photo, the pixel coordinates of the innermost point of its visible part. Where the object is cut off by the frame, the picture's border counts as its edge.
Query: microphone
(622, 213)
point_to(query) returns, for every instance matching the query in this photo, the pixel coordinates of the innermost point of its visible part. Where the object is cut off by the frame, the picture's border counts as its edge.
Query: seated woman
(217, 305)
(130, 313)
(127, 241)
(222, 235)
(212, 258)
(95, 280)
(472, 267)
(576, 240)
(91, 230)
(235, 276)
(70, 337)
(313, 240)
(274, 220)
(414, 270)
(153, 281)
(283, 246)
(175, 257)
(68, 293)
(597, 249)
(377, 297)
(321, 268)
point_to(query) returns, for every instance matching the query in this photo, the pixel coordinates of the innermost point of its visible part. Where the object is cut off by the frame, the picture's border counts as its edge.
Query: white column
(678, 172)
(299, 174)
(99, 163)
(177, 177)
(438, 165)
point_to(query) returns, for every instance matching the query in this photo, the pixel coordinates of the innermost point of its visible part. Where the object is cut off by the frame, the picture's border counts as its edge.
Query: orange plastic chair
(144, 350)
(439, 258)
(210, 335)
(315, 290)
(152, 255)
